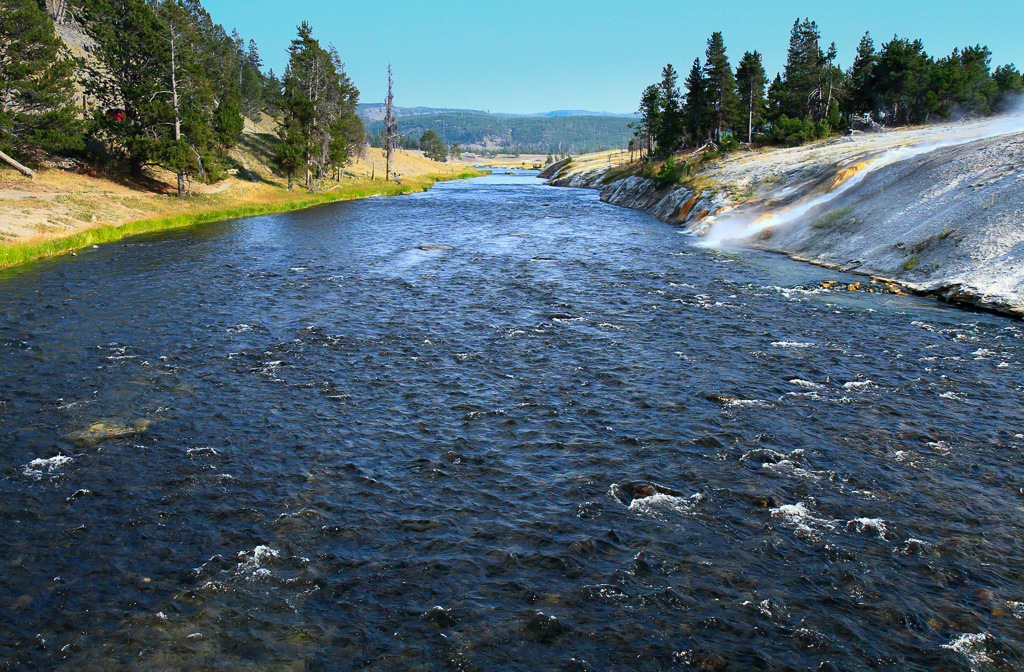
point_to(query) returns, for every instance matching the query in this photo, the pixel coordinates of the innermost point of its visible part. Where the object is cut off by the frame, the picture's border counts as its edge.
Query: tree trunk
(20, 168)
(389, 128)
(177, 116)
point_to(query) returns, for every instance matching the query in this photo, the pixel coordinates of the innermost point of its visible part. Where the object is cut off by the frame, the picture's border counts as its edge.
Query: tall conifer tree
(694, 106)
(36, 83)
(803, 71)
(720, 87)
(750, 82)
(670, 130)
(649, 116)
(859, 95)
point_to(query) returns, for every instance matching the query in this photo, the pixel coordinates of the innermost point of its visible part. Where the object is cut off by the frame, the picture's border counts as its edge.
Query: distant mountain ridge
(557, 132)
(375, 112)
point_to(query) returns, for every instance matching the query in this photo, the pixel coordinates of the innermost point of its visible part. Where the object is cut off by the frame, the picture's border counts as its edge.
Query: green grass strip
(20, 253)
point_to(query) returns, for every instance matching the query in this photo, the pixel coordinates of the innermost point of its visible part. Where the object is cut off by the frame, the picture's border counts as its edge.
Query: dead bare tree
(390, 128)
(57, 9)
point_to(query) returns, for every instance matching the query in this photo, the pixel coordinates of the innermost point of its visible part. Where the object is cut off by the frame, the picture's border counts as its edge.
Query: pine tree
(904, 81)
(432, 146)
(290, 154)
(776, 96)
(133, 61)
(669, 131)
(750, 82)
(967, 81)
(252, 82)
(720, 87)
(803, 72)
(321, 101)
(831, 86)
(1009, 83)
(860, 96)
(36, 83)
(648, 119)
(695, 105)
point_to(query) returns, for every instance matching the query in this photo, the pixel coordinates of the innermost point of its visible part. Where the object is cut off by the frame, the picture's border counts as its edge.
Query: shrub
(669, 174)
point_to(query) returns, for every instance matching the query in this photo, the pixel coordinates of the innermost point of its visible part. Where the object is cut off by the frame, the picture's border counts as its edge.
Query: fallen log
(22, 169)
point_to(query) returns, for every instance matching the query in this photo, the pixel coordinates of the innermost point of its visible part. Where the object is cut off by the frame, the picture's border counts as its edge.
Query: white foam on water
(789, 467)
(202, 451)
(1017, 609)
(660, 503)
(734, 403)
(914, 546)
(792, 344)
(857, 384)
(807, 384)
(973, 647)
(800, 516)
(876, 525)
(254, 565)
(40, 466)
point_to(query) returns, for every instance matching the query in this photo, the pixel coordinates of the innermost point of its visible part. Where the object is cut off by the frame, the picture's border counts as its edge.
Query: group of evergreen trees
(897, 85)
(320, 128)
(165, 86)
(37, 108)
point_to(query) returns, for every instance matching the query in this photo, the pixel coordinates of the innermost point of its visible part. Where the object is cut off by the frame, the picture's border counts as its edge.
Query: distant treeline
(813, 97)
(163, 85)
(526, 134)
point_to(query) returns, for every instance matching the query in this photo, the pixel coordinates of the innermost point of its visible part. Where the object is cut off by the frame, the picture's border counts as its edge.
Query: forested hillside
(158, 83)
(570, 134)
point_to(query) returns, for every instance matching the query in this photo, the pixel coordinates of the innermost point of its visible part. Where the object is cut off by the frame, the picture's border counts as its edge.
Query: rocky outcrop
(946, 221)
(675, 205)
(551, 170)
(949, 223)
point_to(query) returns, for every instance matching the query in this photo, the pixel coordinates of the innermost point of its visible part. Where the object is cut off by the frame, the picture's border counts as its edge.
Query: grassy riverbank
(66, 216)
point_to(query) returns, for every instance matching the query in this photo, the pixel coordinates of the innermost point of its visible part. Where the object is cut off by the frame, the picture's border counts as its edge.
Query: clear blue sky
(527, 56)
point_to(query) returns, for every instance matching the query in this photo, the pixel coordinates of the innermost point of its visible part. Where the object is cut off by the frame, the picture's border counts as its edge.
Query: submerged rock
(630, 490)
(101, 431)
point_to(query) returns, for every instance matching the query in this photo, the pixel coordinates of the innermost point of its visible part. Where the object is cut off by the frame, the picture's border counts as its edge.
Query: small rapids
(488, 427)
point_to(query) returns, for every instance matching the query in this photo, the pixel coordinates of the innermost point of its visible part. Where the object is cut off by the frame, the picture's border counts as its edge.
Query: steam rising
(739, 225)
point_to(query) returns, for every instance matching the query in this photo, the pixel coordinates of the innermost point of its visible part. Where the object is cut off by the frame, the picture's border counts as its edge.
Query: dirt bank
(939, 209)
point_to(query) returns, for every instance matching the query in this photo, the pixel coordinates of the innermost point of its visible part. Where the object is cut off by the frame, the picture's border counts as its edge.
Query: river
(561, 437)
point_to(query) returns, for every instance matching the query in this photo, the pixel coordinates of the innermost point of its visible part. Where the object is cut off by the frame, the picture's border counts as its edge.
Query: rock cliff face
(947, 222)
(677, 205)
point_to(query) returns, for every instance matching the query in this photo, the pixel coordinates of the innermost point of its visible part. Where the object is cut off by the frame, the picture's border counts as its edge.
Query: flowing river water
(561, 437)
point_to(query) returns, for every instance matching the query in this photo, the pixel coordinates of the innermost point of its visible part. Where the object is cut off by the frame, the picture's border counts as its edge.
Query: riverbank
(939, 209)
(60, 212)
